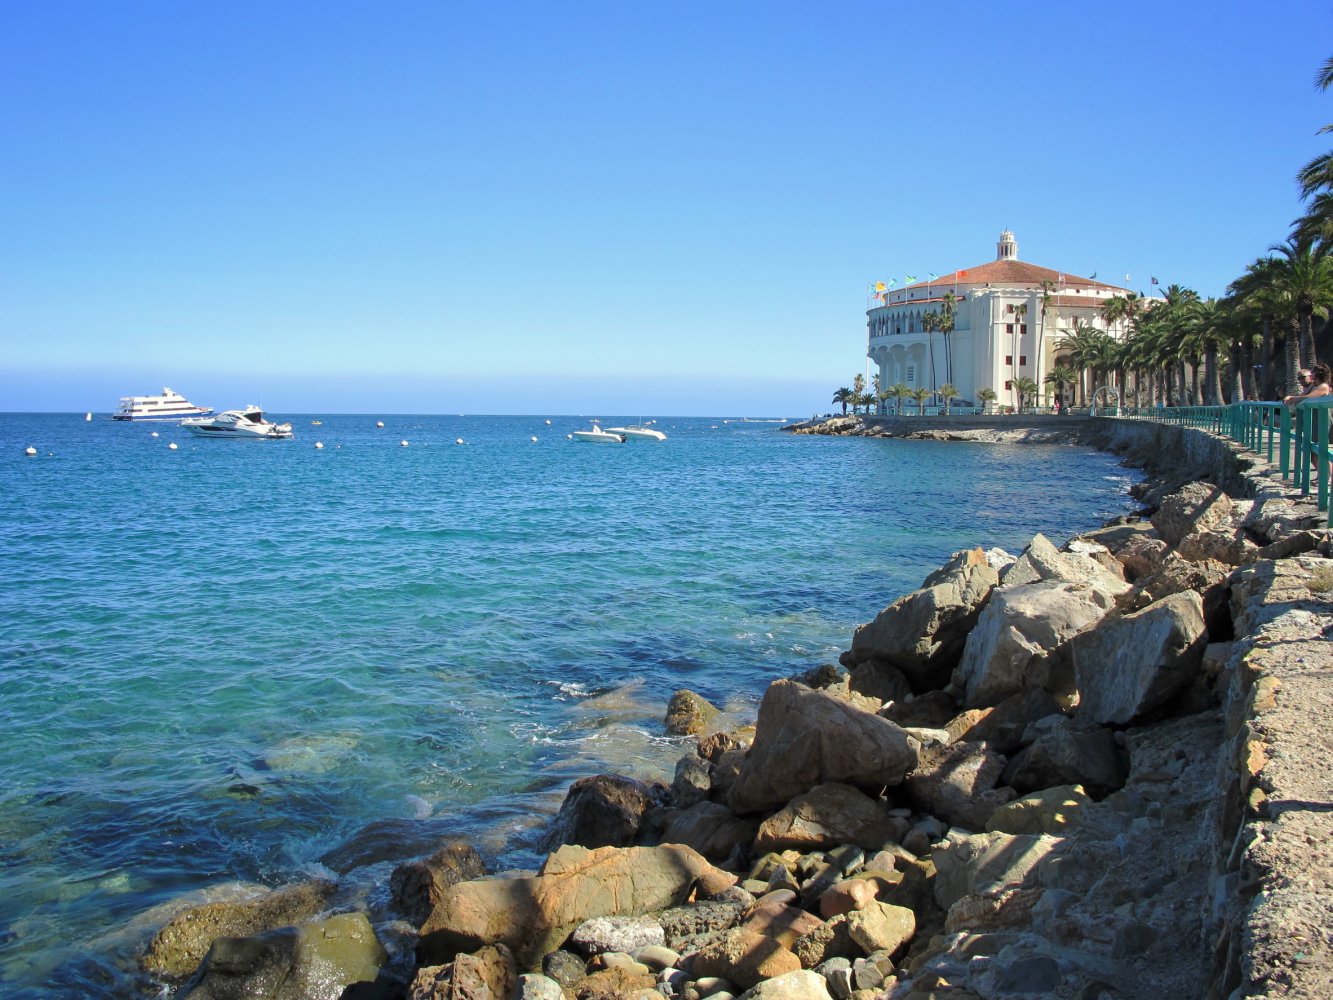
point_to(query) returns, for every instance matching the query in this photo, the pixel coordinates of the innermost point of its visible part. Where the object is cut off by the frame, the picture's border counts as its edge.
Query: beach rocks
(416, 886)
(604, 810)
(688, 714)
(806, 738)
(1130, 667)
(922, 633)
(1193, 507)
(957, 784)
(489, 974)
(1020, 625)
(316, 961)
(826, 816)
(181, 943)
(532, 915)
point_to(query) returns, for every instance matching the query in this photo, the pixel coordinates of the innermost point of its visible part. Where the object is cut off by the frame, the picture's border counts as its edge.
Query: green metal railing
(1296, 441)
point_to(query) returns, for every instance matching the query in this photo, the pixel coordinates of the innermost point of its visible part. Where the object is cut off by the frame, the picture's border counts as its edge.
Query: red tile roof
(1013, 273)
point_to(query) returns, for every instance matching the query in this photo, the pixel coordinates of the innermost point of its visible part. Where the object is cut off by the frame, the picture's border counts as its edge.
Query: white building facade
(1007, 317)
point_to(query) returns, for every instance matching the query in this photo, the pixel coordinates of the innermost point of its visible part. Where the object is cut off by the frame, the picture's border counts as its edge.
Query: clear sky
(629, 207)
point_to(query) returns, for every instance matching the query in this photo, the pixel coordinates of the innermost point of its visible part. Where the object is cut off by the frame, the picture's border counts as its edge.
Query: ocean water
(219, 662)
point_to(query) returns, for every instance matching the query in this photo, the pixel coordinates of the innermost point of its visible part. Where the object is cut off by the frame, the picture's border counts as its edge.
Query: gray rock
(923, 632)
(693, 779)
(802, 985)
(976, 864)
(1043, 561)
(624, 934)
(604, 810)
(1128, 667)
(1070, 753)
(538, 987)
(564, 967)
(806, 738)
(1006, 652)
(1194, 507)
(417, 885)
(957, 784)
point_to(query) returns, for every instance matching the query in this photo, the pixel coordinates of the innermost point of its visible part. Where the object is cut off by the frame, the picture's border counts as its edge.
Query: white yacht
(598, 436)
(639, 432)
(247, 423)
(171, 405)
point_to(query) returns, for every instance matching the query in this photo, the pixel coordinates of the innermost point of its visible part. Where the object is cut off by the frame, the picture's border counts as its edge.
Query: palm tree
(920, 394)
(930, 322)
(899, 392)
(883, 396)
(948, 306)
(875, 390)
(1059, 377)
(858, 391)
(1259, 294)
(1047, 286)
(843, 396)
(947, 392)
(1306, 272)
(987, 395)
(1019, 313)
(1026, 389)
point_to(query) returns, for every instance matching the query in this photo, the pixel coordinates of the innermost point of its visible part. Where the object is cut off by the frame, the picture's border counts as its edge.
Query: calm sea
(219, 662)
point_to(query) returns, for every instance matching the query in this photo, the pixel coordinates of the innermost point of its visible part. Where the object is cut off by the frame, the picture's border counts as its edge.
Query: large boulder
(490, 974)
(825, 817)
(1194, 507)
(976, 864)
(957, 784)
(416, 886)
(604, 810)
(922, 633)
(688, 714)
(806, 738)
(532, 915)
(1127, 668)
(317, 961)
(1041, 560)
(180, 945)
(710, 828)
(393, 839)
(1020, 625)
(1070, 753)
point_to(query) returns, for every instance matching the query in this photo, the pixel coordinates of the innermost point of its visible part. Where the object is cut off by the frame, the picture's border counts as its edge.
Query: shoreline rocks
(1010, 786)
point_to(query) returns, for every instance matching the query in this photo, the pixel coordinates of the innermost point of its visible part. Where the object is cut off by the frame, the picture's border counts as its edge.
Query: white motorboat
(171, 405)
(247, 423)
(598, 436)
(639, 432)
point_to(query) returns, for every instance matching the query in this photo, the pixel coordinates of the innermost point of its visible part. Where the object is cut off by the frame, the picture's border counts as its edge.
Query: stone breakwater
(1095, 770)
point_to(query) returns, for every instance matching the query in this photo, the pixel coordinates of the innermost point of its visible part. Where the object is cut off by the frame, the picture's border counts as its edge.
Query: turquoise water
(219, 662)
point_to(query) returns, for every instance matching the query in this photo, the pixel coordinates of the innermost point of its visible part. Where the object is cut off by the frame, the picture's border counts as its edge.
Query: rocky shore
(1093, 771)
(992, 430)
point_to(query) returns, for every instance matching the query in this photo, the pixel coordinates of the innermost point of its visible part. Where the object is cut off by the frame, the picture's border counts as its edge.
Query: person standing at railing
(1315, 383)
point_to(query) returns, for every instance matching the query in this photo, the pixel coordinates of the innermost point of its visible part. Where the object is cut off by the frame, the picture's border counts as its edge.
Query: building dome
(1007, 248)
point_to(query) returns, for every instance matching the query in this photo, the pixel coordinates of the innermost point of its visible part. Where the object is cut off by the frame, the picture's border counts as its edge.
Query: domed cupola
(1007, 248)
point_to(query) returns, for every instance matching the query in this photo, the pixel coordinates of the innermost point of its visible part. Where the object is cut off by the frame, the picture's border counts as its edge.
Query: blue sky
(599, 207)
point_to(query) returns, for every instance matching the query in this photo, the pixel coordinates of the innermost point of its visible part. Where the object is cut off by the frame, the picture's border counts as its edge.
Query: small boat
(598, 436)
(171, 405)
(246, 423)
(639, 432)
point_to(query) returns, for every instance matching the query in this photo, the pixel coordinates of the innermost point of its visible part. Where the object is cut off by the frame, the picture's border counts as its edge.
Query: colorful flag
(961, 274)
(879, 286)
(892, 282)
(911, 278)
(932, 275)
(1154, 281)
(1094, 275)
(1062, 278)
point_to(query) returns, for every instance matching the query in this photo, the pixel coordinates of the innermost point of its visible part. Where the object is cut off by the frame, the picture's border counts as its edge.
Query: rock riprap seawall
(1064, 773)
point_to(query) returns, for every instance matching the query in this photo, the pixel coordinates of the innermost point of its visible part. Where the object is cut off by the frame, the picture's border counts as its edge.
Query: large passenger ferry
(171, 405)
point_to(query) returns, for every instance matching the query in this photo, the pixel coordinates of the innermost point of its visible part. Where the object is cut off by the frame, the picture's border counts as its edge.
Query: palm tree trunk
(1269, 355)
(1293, 357)
(1307, 338)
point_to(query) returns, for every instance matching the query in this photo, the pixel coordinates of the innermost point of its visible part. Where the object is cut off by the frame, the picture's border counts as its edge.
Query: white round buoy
(569, 437)
(30, 451)
(458, 440)
(319, 444)
(548, 423)
(154, 433)
(379, 423)
(534, 439)
(403, 443)
(172, 446)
